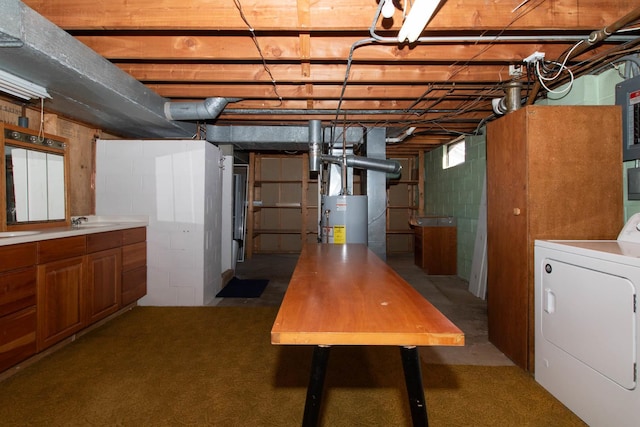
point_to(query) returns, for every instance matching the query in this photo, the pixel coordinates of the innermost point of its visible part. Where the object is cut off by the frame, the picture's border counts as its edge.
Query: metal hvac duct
(315, 142)
(381, 165)
(210, 108)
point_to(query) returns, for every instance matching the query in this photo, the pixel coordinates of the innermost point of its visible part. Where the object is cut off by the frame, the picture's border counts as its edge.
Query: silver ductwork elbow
(511, 102)
(210, 108)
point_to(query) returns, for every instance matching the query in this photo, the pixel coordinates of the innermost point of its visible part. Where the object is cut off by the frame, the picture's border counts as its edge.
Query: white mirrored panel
(34, 185)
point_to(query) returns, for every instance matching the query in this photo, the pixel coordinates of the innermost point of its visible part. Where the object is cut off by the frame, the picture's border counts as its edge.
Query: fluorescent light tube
(21, 88)
(420, 13)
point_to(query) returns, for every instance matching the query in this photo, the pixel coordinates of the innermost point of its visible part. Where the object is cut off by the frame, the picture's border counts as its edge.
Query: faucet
(75, 222)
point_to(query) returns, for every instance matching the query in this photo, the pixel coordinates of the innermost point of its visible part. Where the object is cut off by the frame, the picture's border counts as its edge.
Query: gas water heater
(344, 219)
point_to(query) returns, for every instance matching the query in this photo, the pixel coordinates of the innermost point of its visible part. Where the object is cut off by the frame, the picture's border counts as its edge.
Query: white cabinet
(178, 185)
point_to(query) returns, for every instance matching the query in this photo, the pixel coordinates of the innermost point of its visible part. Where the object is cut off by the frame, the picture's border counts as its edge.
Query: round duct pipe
(210, 108)
(381, 165)
(513, 100)
(315, 142)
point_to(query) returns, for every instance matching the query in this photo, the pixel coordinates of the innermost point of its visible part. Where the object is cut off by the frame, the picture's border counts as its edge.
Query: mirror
(35, 185)
(35, 179)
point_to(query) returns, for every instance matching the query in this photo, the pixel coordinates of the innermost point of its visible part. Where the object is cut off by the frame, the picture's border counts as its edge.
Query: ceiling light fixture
(20, 87)
(418, 17)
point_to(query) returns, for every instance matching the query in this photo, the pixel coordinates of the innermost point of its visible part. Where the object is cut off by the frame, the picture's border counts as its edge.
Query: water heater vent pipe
(381, 165)
(315, 144)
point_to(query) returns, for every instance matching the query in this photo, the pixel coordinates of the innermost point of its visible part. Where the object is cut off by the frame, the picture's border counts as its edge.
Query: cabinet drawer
(134, 285)
(134, 256)
(17, 290)
(134, 235)
(55, 249)
(103, 241)
(17, 337)
(13, 257)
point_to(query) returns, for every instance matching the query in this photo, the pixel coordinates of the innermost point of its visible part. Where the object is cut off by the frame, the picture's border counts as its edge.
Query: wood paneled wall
(80, 154)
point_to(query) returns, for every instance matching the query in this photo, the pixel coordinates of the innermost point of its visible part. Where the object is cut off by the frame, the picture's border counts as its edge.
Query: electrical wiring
(561, 67)
(606, 59)
(257, 44)
(542, 79)
(523, 9)
(544, 73)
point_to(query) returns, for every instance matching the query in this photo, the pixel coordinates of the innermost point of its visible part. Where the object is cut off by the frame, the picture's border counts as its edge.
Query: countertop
(94, 224)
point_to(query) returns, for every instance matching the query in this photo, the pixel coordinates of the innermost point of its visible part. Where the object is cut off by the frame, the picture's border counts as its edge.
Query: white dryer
(587, 325)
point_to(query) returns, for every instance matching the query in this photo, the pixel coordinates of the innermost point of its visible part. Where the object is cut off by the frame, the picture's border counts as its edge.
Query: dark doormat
(241, 288)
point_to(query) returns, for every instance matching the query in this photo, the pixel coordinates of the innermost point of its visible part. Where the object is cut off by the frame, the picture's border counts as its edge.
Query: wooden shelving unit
(282, 206)
(283, 213)
(405, 198)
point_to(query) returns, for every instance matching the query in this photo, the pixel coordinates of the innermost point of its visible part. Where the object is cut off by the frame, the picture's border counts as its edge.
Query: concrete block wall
(456, 191)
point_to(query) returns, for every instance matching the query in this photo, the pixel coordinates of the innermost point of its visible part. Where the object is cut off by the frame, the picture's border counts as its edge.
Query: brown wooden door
(507, 234)
(104, 270)
(60, 300)
(552, 173)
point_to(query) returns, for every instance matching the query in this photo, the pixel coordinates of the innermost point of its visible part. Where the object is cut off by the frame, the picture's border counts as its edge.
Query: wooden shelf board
(400, 231)
(275, 231)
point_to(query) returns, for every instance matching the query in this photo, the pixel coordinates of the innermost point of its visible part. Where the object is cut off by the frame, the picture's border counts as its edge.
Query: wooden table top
(346, 295)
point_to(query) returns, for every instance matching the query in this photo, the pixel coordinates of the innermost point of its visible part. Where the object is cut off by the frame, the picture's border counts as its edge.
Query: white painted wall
(178, 185)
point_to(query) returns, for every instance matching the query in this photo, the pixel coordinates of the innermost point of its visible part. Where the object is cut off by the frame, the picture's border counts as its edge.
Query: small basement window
(453, 153)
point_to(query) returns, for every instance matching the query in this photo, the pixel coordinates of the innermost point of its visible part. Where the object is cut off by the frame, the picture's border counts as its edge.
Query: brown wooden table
(346, 295)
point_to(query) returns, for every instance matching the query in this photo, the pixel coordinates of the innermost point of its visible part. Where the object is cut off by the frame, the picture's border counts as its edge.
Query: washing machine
(587, 325)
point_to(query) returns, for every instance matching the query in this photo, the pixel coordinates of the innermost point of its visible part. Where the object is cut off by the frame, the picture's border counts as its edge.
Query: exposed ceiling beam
(459, 15)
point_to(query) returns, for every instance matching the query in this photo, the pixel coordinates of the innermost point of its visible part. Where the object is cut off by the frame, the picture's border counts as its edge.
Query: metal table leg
(415, 390)
(316, 383)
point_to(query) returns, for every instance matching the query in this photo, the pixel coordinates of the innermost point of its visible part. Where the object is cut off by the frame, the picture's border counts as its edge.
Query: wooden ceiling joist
(292, 55)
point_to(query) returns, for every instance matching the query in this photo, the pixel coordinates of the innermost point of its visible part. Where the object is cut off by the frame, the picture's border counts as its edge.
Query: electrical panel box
(628, 97)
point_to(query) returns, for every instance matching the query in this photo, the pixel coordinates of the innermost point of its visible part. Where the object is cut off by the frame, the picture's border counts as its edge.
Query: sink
(96, 224)
(17, 233)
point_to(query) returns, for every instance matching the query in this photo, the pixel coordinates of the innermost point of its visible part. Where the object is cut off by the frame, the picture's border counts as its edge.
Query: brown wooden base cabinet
(104, 270)
(52, 289)
(134, 265)
(17, 303)
(60, 300)
(436, 249)
(553, 172)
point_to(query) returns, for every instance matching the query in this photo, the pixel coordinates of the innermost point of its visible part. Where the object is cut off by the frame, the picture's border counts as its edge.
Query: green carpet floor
(215, 366)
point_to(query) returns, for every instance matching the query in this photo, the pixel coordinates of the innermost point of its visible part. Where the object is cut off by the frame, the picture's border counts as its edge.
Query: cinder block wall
(456, 191)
